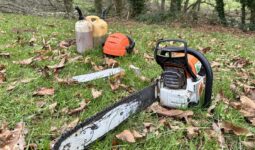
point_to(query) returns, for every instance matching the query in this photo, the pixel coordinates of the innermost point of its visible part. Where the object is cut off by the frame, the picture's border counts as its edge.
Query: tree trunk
(119, 7)
(185, 7)
(252, 18)
(98, 6)
(221, 11)
(162, 7)
(175, 7)
(38, 7)
(243, 15)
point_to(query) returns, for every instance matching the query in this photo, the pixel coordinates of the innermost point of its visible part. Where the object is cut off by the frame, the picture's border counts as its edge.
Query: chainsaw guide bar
(98, 125)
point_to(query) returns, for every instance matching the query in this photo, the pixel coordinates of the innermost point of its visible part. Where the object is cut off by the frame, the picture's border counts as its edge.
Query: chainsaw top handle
(175, 49)
(161, 60)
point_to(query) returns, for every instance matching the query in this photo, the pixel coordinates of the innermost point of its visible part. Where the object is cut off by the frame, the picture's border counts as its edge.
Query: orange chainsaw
(186, 81)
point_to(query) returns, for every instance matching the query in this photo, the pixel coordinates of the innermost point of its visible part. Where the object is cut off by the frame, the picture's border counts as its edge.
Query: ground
(19, 104)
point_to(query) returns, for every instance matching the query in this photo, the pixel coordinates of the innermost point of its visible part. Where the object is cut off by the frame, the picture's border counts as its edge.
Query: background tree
(221, 11)
(118, 6)
(98, 6)
(162, 6)
(251, 6)
(175, 7)
(137, 7)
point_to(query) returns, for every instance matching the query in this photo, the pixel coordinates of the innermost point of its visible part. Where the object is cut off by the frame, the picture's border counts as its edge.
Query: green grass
(20, 104)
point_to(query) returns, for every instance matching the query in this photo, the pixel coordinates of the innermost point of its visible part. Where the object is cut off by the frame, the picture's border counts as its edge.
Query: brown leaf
(52, 107)
(249, 144)
(126, 136)
(247, 102)
(59, 65)
(5, 54)
(25, 61)
(192, 132)
(216, 133)
(83, 105)
(115, 81)
(136, 134)
(2, 67)
(206, 49)
(13, 139)
(67, 43)
(13, 85)
(72, 124)
(32, 40)
(215, 64)
(143, 78)
(96, 93)
(228, 126)
(96, 67)
(111, 62)
(170, 112)
(67, 81)
(2, 78)
(32, 146)
(239, 62)
(44, 91)
(115, 85)
(148, 57)
(74, 59)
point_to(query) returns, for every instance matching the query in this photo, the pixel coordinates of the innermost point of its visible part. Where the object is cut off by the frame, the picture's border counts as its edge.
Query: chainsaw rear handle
(131, 45)
(201, 58)
(176, 49)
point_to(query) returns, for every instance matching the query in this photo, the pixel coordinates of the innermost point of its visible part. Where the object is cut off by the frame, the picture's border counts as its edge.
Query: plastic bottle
(84, 33)
(100, 29)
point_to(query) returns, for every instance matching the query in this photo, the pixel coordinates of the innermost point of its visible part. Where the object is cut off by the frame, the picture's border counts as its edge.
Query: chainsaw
(186, 81)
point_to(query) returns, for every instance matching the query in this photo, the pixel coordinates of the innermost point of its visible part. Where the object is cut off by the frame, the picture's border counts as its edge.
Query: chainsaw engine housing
(184, 73)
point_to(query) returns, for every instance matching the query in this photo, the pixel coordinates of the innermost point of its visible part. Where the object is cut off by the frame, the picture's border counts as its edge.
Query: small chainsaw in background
(186, 81)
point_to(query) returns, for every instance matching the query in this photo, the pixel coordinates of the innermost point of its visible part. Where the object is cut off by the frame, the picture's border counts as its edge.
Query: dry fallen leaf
(44, 91)
(148, 57)
(74, 59)
(83, 105)
(67, 81)
(5, 54)
(2, 67)
(111, 62)
(67, 43)
(249, 144)
(136, 134)
(143, 78)
(239, 62)
(206, 49)
(96, 93)
(228, 126)
(192, 132)
(127, 136)
(155, 107)
(2, 78)
(25, 61)
(52, 107)
(59, 65)
(32, 40)
(216, 133)
(12, 139)
(215, 64)
(115, 81)
(73, 123)
(96, 67)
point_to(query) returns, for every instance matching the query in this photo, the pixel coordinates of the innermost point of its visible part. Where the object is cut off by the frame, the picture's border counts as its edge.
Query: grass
(20, 104)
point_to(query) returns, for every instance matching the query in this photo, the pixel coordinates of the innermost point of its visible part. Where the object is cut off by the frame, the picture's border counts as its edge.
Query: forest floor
(33, 60)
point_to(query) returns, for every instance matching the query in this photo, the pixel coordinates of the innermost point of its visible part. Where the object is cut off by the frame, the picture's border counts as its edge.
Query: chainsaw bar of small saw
(98, 125)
